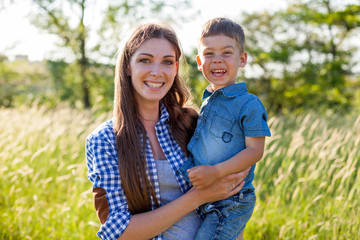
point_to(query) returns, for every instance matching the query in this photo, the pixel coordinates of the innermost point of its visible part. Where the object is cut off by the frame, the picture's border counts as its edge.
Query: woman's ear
(198, 60)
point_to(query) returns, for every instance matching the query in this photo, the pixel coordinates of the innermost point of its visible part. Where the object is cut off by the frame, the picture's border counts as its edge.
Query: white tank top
(185, 228)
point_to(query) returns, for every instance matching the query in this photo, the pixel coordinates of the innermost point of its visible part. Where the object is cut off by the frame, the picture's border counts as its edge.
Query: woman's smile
(154, 84)
(153, 68)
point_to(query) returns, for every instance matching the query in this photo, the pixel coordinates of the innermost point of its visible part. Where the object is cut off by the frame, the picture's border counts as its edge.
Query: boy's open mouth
(218, 72)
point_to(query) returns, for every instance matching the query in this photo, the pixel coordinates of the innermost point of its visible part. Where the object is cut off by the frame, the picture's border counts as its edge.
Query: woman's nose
(155, 71)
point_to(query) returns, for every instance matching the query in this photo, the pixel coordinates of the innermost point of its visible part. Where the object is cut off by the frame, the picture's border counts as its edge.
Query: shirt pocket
(222, 127)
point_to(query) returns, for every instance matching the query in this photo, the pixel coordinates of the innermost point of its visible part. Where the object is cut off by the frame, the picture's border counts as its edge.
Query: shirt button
(166, 152)
(203, 121)
(98, 178)
(158, 131)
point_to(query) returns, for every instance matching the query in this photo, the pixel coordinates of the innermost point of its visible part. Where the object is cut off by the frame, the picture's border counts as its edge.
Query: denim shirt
(227, 116)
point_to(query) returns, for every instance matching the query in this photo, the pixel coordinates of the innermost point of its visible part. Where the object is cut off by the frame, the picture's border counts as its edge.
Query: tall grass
(44, 190)
(307, 185)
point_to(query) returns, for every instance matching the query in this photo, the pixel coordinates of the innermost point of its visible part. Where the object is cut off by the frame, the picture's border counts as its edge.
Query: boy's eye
(208, 54)
(227, 53)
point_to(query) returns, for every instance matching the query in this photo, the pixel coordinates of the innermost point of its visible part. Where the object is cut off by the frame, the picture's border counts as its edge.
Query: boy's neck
(212, 88)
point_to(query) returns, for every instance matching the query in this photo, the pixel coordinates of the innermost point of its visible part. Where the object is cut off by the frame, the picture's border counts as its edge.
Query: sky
(20, 37)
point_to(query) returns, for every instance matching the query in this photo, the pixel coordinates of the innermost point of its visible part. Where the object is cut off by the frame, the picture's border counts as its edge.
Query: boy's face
(219, 60)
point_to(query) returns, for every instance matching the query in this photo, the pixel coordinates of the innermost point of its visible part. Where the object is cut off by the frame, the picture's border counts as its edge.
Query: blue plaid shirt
(102, 163)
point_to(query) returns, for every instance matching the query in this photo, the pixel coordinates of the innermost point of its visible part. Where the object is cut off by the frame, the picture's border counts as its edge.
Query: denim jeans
(226, 219)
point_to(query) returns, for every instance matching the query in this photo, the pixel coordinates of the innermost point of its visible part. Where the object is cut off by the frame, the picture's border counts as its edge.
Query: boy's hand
(202, 176)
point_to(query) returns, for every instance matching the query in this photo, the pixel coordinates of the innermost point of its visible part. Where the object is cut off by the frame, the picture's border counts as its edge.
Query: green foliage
(197, 82)
(307, 184)
(51, 83)
(120, 19)
(22, 82)
(52, 19)
(304, 57)
(102, 76)
(74, 33)
(7, 88)
(62, 86)
(66, 83)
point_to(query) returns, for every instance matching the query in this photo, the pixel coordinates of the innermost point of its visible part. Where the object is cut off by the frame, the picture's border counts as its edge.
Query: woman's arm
(152, 223)
(103, 172)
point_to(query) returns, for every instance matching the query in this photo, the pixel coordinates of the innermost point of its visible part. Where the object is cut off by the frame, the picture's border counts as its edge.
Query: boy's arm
(204, 175)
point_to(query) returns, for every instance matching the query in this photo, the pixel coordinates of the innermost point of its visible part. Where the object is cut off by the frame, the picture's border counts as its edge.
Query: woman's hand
(221, 189)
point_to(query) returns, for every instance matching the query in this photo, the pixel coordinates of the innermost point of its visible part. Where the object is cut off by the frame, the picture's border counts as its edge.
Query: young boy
(231, 130)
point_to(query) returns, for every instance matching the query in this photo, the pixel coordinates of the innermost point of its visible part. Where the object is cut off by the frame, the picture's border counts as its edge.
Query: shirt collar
(229, 91)
(164, 113)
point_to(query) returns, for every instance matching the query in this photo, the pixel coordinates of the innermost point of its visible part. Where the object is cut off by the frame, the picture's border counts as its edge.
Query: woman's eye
(144, 60)
(168, 62)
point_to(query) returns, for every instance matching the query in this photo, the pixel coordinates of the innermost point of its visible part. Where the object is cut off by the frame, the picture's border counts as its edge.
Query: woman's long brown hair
(138, 188)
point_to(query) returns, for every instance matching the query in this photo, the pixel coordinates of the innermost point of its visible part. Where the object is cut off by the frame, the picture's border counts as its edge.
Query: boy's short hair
(224, 26)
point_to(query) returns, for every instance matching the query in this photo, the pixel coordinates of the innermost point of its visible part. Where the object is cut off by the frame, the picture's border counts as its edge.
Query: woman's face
(153, 68)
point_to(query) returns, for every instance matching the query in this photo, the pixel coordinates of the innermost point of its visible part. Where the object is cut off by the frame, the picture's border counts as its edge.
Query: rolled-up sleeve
(109, 198)
(253, 119)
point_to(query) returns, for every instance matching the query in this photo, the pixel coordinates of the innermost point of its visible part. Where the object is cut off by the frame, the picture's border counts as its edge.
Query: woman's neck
(149, 113)
(149, 116)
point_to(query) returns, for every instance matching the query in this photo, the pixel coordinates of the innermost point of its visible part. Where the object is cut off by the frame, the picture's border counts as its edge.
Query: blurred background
(56, 85)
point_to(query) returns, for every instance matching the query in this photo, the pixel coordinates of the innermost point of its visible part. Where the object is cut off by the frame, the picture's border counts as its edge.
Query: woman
(133, 158)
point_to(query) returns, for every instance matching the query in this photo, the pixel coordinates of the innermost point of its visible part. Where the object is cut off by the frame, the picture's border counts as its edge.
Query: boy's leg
(227, 219)
(210, 224)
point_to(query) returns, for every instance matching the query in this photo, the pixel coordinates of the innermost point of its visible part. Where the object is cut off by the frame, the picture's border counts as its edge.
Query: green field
(308, 183)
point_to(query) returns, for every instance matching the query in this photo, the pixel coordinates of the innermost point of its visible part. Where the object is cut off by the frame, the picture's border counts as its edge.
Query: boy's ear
(198, 60)
(243, 59)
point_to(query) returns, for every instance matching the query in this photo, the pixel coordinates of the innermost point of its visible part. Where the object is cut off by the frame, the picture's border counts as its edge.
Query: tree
(303, 56)
(119, 19)
(53, 20)
(7, 85)
(75, 33)
(22, 83)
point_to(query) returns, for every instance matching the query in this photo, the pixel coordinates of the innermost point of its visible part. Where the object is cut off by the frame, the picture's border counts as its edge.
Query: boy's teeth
(219, 71)
(154, 85)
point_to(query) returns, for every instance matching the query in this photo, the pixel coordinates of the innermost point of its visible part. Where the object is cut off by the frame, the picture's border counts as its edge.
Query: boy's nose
(217, 60)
